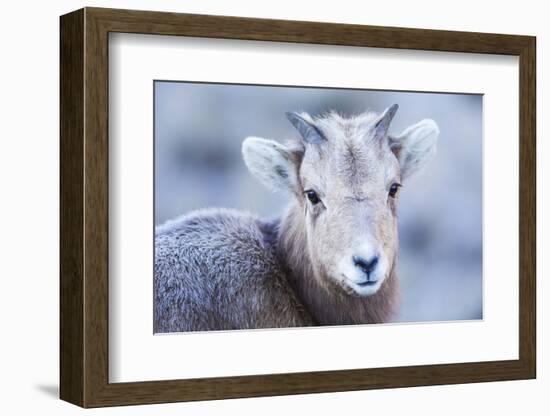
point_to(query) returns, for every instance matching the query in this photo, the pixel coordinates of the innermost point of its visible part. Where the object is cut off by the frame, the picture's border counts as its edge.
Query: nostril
(366, 265)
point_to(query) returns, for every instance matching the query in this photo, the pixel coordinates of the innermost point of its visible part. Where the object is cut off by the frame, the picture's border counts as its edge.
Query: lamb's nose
(366, 265)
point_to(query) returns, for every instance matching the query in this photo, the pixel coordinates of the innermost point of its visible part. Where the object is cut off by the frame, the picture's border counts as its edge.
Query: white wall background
(29, 212)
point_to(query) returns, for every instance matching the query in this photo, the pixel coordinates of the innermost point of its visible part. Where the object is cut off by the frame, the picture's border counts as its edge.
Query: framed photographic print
(256, 207)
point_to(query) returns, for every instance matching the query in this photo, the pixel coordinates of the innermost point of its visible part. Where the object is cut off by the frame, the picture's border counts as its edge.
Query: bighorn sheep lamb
(329, 260)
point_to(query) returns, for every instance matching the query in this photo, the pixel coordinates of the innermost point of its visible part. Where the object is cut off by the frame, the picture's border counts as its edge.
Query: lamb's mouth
(352, 287)
(367, 283)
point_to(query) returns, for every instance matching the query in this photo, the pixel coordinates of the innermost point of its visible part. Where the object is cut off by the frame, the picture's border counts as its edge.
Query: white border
(136, 355)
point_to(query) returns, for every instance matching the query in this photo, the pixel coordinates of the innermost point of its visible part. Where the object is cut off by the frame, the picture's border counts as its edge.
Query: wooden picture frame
(84, 207)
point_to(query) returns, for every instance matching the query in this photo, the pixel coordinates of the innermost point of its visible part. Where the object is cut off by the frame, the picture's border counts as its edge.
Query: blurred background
(199, 129)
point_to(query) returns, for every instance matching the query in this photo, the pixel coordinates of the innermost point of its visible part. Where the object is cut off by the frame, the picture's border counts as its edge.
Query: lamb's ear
(271, 162)
(416, 146)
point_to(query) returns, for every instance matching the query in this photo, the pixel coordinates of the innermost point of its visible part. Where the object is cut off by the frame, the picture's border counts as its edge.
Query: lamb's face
(350, 187)
(346, 176)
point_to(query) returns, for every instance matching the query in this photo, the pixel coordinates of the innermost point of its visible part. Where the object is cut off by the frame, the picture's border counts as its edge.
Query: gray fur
(217, 269)
(222, 269)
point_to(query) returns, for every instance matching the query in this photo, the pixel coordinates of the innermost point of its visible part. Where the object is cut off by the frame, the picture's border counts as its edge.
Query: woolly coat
(222, 269)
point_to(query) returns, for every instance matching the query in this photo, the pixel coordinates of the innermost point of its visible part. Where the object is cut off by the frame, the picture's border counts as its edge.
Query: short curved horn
(382, 126)
(308, 131)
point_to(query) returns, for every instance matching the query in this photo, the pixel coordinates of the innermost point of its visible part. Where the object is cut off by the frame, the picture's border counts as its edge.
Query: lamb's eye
(393, 189)
(312, 196)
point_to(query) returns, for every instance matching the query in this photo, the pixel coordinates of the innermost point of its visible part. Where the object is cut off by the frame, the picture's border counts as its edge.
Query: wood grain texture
(71, 213)
(527, 208)
(84, 206)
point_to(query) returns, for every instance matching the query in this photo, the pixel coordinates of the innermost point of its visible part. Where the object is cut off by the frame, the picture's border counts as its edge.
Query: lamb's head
(345, 174)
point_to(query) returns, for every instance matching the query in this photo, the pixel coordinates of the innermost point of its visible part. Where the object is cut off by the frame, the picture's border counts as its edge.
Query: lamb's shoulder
(220, 240)
(221, 267)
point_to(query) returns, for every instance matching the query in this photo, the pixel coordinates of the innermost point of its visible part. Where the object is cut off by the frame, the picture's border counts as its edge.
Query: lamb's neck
(327, 306)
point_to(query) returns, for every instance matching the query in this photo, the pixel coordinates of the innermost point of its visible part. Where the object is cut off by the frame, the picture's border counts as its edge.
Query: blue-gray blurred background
(199, 129)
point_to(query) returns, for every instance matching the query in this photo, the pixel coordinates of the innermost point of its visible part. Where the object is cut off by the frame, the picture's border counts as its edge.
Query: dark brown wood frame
(84, 208)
